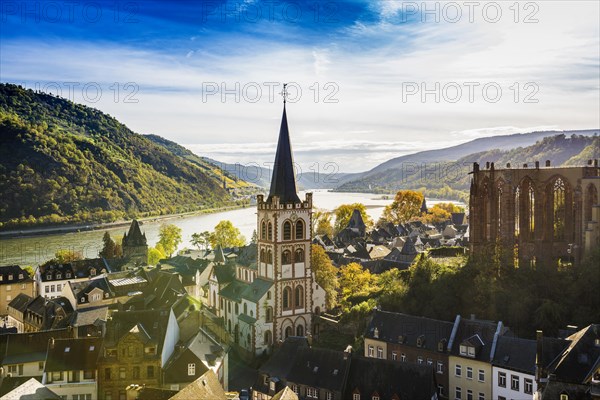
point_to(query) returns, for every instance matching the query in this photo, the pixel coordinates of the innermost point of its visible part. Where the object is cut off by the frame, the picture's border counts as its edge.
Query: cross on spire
(284, 93)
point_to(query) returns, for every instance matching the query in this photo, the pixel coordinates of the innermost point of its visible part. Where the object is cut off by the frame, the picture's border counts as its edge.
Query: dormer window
(10, 277)
(564, 396)
(68, 275)
(463, 350)
(376, 333)
(421, 341)
(471, 351)
(20, 276)
(82, 299)
(59, 276)
(49, 276)
(442, 345)
(93, 271)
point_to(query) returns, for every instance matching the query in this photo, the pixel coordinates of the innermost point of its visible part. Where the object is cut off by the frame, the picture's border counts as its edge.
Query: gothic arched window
(517, 211)
(299, 297)
(299, 230)
(268, 338)
(287, 230)
(591, 199)
(300, 330)
(299, 256)
(287, 298)
(286, 257)
(558, 209)
(270, 231)
(262, 255)
(263, 231)
(269, 257)
(269, 314)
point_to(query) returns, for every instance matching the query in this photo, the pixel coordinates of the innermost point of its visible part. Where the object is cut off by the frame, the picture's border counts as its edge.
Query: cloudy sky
(369, 80)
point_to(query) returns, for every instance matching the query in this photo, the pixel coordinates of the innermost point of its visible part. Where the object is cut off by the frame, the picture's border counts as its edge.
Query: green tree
(322, 223)
(325, 274)
(109, 248)
(155, 255)
(201, 240)
(169, 238)
(29, 269)
(226, 235)
(254, 238)
(66, 256)
(344, 212)
(405, 207)
(355, 283)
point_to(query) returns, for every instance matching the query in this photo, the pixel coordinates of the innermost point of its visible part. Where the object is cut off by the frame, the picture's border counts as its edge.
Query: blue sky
(378, 79)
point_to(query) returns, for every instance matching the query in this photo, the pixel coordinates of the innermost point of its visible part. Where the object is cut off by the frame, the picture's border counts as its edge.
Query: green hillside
(450, 180)
(63, 162)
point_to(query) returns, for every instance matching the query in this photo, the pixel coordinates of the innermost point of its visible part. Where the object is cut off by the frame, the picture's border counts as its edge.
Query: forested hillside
(62, 162)
(450, 180)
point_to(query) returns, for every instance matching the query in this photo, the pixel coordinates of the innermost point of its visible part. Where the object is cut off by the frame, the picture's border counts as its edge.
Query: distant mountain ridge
(445, 177)
(62, 162)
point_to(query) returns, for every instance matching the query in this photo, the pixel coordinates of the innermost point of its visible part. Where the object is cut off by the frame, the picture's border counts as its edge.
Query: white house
(51, 279)
(513, 369)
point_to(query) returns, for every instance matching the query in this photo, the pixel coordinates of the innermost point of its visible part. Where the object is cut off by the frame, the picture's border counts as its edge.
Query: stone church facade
(537, 215)
(279, 295)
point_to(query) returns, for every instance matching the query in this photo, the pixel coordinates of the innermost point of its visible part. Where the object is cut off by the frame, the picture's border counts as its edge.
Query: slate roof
(224, 273)
(322, 368)
(391, 327)
(134, 237)
(164, 290)
(580, 359)
(234, 290)
(205, 387)
(73, 354)
(154, 323)
(279, 364)
(78, 269)
(388, 378)
(88, 316)
(20, 302)
(14, 271)
(28, 347)
(469, 330)
(31, 389)
(515, 354)
(257, 289)
(283, 180)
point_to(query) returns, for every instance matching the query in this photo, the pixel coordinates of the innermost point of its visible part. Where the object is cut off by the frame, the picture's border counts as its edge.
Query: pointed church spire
(219, 256)
(283, 181)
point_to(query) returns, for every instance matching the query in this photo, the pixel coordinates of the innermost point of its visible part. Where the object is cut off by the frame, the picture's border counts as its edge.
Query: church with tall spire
(277, 297)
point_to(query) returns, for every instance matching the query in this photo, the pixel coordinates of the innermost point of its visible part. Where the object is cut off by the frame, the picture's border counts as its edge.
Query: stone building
(135, 245)
(14, 280)
(539, 214)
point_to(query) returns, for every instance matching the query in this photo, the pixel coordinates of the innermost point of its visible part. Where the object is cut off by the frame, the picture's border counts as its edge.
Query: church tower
(284, 239)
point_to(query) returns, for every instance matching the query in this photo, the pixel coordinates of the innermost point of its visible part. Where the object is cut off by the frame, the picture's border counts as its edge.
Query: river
(34, 250)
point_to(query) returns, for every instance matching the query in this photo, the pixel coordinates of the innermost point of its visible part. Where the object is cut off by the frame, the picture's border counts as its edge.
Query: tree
(155, 255)
(109, 248)
(436, 214)
(226, 235)
(66, 256)
(29, 270)
(201, 240)
(449, 207)
(405, 207)
(325, 274)
(356, 282)
(170, 238)
(322, 223)
(254, 238)
(344, 212)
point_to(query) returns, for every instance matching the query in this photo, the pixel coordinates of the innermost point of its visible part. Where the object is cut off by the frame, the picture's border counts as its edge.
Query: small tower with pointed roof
(135, 245)
(284, 240)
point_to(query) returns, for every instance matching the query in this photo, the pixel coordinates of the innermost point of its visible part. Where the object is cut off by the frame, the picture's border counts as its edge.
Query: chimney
(487, 165)
(525, 165)
(492, 166)
(539, 337)
(547, 163)
(595, 162)
(348, 352)
(476, 167)
(537, 165)
(507, 165)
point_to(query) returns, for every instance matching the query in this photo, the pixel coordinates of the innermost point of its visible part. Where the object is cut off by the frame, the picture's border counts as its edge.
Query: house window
(20, 276)
(136, 372)
(481, 396)
(402, 357)
(41, 365)
(458, 393)
(440, 367)
(299, 293)
(272, 383)
(8, 288)
(375, 397)
(469, 394)
(49, 277)
(429, 361)
(299, 256)
(564, 396)
(150, 371)
(59, 276)
(458, 370)
(47, 289)
(52, 288)
(329, 396)
(502, 379)
(107, 374)
(419, 360)
(463, 350)
(68, 275)
(57, 376)
(90, 374)
(469, 373)
(287, 298)
(471, 351)
(191, 369)
(107, 395)
(394, 355)
(481, 375)
(312, 393)
(514, 382)
(441, 390)
(122, 373)
(295, 389)
(528, 383)
(371, 351)
(356, 396)
(379, 352)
